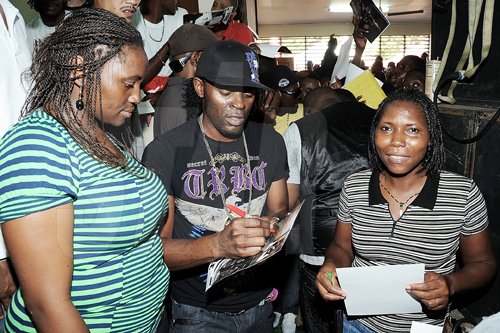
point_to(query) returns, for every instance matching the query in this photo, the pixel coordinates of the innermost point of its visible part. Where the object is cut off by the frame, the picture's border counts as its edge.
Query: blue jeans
(191, 319)
(355, 326)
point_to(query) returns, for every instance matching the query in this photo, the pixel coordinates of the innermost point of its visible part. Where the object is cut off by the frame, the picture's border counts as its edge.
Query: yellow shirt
(282, 122)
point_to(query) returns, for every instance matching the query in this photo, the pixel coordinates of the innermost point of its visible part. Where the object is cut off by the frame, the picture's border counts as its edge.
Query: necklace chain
(212, 161)
(149, 33)
(400, 203)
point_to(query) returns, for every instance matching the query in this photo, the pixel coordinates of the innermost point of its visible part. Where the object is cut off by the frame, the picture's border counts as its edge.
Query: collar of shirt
(426, 198)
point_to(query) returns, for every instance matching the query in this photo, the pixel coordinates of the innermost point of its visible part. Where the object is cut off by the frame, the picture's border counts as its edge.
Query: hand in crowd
(7, 286)
(434, 292)
(327, 284)
(360, 32)
(244, 237)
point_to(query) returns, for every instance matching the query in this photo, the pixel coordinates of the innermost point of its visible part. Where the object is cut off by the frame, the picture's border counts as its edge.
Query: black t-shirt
(181, 159)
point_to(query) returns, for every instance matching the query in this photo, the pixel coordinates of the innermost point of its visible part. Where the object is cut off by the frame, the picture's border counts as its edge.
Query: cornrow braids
(434, 158)
(77, 52)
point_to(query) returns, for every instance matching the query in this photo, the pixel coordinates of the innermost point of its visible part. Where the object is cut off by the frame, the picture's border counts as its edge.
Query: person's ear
(199, 87)
(195, 57)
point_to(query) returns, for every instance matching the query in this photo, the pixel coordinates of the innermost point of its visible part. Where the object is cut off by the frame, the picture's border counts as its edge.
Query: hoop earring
(79, 102)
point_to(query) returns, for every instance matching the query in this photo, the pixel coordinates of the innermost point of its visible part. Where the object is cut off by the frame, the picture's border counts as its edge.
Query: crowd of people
(111, 218)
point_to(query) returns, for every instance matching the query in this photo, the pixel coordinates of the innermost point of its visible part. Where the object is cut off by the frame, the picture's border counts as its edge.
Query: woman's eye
(385, 128)
(413, 130)
(249, 95)
(129, 84)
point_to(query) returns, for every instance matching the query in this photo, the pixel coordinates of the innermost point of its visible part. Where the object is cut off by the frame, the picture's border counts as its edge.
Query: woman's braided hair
(93, 36)
(434, 158)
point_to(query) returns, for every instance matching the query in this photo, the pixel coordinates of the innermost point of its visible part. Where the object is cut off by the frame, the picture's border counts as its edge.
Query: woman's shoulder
(37, 127)
(449, 178)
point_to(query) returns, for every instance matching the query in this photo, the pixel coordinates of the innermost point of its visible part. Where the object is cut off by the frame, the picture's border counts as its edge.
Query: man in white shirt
(14, 59)
(156, 21)
(50, 14)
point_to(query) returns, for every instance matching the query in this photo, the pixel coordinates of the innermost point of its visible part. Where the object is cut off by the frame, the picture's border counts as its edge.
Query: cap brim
(238, 84)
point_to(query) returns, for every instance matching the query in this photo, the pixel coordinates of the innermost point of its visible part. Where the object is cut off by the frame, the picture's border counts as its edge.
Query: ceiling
(316, 11)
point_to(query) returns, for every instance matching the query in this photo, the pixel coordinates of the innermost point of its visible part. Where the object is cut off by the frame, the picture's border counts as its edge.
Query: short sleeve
(158, 157)
(279, 156)
(344, 214)
(37, 170)
(294, 152)
(476, 213)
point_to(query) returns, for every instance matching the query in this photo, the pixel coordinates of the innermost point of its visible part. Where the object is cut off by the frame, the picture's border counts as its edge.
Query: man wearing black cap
(282, 78)
(186, 46)
(220, 158)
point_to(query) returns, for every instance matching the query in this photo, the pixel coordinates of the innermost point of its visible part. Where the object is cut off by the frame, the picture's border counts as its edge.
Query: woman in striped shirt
(79, 214)
(406, 210)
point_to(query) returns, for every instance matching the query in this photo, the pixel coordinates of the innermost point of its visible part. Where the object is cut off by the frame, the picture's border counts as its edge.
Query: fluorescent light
(340, 9)
(348, 9)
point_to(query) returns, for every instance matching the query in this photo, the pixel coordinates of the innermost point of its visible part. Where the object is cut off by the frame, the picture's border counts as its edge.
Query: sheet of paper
(342, 64)
(377, 290)
(366, 87)
(417, 327)
(145, 108)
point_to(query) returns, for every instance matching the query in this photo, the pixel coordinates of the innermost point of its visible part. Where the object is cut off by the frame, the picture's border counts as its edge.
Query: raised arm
(359, 35)
(41, 250)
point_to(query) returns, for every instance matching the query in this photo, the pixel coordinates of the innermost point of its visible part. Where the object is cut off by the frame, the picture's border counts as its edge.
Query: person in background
(415, 79)
(308, 83)
(156, 21)
(15, 58)
(122, 8)
(186, 46)
(323, 148)
(77, 4)
(319, 98)
(271, 104)
(50, 13)
(235, 30)
(217, 159)
(80, 216)
(282, 78)
(407, 210)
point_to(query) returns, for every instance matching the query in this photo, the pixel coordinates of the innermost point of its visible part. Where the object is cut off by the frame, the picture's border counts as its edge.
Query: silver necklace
(149, 34)
(212, 161)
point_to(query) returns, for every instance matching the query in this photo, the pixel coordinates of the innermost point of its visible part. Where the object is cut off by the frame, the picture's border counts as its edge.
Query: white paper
(342, 64)
(377, 290)
(354, 71)
(145, 108)
(417, 327)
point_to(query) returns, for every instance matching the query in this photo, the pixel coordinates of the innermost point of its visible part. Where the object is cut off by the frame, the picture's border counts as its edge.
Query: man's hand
(360, 32)
(7, 285)
(243, 237)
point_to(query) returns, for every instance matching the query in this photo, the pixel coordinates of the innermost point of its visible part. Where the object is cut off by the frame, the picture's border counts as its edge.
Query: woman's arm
(338, 254)
(479, 267)
(41, 250)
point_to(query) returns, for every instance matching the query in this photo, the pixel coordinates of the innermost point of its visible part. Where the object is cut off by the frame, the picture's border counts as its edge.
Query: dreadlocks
(434, 158)
(74, 55)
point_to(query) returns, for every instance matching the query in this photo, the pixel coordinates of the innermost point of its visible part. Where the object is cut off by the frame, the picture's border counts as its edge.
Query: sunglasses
(178, 65)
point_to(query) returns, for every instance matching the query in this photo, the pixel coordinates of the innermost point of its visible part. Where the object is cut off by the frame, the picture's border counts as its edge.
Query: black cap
(279, 77)
(230, 64)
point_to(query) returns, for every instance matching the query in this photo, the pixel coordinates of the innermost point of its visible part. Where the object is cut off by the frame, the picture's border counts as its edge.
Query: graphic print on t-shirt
(204, 184)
